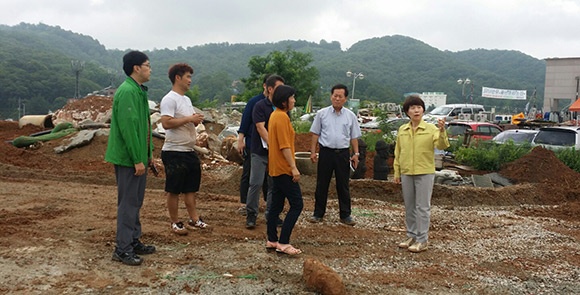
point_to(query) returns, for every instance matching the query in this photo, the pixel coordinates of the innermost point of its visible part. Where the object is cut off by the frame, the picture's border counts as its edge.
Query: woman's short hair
(281, 96)
(413, 100)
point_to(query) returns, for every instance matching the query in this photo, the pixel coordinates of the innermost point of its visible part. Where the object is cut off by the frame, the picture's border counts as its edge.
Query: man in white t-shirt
(182, 165)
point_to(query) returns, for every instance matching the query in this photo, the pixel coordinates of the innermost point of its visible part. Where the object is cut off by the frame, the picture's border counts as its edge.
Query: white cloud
(540, 28)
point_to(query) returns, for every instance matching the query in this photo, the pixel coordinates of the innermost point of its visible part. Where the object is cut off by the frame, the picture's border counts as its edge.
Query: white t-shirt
(182, 138)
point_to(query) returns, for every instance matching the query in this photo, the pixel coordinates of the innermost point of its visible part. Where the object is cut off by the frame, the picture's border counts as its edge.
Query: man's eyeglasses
(146, 65)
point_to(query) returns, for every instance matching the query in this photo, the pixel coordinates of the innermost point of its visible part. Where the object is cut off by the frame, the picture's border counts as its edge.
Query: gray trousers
(417, 191)
(130, 195)
(259, 168)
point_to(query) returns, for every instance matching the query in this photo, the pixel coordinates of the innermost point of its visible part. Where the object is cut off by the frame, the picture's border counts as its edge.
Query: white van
(457, 111)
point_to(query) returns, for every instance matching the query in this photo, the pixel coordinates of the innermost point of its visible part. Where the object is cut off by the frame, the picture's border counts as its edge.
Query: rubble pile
(96, 110)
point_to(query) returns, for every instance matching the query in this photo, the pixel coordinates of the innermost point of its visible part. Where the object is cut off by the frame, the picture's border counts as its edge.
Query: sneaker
(178, 228)
(242, 211)
(418, 247)
(127, 258)
(348, 221)
(315, 219)
(142, 249)
(251, 221)
(191, 225)
(406, 243)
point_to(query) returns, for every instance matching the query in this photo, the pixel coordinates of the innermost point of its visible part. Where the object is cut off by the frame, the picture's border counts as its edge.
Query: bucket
(304, 164)
(439, 161)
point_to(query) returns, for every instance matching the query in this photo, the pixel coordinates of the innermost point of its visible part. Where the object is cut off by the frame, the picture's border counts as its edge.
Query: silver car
(559, 137)
(518, 136)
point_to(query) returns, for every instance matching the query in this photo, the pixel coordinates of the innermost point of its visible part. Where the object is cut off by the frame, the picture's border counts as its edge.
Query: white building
(434, 99)
(562, 82)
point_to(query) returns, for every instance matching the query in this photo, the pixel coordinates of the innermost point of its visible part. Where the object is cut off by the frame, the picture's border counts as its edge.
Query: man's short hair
(179, 69)
(131, 59)
(266, 78)
(272, 79)
(340, 86)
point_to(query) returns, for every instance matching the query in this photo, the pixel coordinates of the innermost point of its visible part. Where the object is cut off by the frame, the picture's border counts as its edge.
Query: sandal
(270, 246)
(288, 249)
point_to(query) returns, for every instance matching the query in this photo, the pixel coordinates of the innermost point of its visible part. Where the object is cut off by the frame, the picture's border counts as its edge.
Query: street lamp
(77, 67)
(463, 82)
(354, 77)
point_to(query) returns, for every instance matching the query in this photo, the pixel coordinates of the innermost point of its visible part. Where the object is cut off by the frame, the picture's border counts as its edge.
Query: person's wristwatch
(357, 154)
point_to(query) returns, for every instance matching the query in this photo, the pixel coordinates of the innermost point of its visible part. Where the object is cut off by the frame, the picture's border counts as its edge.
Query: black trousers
(329, 161)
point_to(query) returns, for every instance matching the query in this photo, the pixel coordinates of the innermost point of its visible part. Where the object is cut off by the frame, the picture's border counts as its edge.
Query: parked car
(518, 136)
(394, 124)
(558, 137)
(391, 125)
(479, 130)
(454, 111)
(372, 124)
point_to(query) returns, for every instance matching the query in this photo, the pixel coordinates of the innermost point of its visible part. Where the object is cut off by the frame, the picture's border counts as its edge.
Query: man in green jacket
(130, 149)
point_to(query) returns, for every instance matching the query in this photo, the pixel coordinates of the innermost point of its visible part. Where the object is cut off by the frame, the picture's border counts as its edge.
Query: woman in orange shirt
(282, 169)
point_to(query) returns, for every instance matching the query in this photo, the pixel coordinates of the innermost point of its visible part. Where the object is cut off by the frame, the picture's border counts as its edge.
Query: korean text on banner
(503, 93)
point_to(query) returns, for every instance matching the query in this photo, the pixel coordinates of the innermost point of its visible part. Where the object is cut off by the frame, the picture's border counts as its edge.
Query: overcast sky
(539, 28)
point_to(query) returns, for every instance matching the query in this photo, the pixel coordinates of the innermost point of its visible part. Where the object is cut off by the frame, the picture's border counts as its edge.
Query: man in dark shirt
(259, 152)
(244, 144)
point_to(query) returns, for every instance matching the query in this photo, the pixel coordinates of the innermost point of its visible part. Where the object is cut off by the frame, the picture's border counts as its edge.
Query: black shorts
(182, 170)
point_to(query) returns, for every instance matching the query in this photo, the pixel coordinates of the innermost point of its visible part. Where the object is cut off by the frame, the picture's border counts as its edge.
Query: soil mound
(541, 166)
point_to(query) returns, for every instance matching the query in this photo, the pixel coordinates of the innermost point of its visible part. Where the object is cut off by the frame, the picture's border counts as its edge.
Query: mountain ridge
(35, 67)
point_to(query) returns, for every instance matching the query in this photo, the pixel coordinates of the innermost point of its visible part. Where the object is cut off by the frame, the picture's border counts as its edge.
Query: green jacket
(130, 134)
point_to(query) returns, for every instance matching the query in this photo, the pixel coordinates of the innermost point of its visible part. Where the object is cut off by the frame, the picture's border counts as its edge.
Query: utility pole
(77, 67)
(577, 85)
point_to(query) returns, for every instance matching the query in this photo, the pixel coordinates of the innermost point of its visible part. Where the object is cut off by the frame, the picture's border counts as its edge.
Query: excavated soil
(58, 215)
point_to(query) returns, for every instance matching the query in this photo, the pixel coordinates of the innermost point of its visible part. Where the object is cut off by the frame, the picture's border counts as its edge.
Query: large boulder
(229, 150)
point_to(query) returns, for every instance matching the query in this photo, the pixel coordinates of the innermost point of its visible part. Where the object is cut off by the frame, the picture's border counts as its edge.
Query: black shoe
(315, 219)
(348, 221)
(127, 258)
(280, 222)
(251, 221)
(142, 249)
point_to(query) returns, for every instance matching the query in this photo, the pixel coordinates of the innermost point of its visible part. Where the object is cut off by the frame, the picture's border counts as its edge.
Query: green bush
(570, 157)
(301, 126)
(371, 138)
(490, 156)
(455, 144)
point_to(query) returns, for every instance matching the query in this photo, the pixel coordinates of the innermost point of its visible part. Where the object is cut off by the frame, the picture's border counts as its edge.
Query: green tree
(217, 86)
(294, 66)
(193, 95)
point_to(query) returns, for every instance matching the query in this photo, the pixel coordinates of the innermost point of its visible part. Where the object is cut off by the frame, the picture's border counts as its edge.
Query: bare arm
(241, 143)
(313, 143)
(169, 122)
(354, 158)
(261, 127)
(290, 159)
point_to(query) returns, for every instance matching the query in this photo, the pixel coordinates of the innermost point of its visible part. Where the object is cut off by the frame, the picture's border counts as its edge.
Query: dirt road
(57, 235)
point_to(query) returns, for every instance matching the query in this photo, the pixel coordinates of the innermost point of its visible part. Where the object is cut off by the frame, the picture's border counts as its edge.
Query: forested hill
(35, 67)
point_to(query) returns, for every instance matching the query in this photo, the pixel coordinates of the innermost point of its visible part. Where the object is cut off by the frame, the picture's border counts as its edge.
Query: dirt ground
(58, 214)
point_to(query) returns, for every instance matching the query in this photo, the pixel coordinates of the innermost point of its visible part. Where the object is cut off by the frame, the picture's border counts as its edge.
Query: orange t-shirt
(280, 136)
